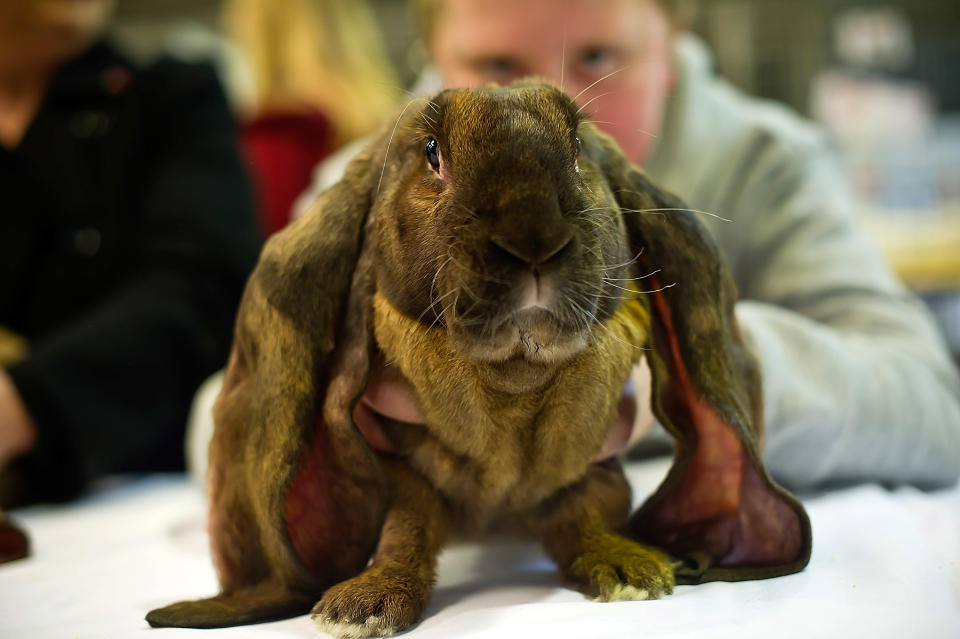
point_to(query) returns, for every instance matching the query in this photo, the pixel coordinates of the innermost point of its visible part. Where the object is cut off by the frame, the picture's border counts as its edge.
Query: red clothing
(282, 150)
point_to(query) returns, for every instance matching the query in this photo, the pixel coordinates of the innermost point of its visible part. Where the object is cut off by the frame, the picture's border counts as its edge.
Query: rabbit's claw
(377, 603)
(613, 568)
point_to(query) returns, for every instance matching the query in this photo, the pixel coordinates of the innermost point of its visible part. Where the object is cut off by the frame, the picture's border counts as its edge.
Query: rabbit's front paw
(613, 568)
(376, 603)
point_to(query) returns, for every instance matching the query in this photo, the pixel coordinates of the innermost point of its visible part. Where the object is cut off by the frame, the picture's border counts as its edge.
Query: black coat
(126, 233)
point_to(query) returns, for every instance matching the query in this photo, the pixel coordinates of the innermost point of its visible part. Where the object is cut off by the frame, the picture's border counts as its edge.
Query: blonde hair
(680, 12)
(325, 53)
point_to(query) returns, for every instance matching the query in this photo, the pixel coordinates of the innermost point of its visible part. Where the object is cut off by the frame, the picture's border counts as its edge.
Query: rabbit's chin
(532, 334)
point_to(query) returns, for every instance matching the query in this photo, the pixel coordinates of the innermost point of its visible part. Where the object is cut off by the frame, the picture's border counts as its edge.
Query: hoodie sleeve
(858, 384)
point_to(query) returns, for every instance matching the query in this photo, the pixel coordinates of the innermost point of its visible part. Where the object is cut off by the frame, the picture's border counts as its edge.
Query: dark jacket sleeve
(110, 392)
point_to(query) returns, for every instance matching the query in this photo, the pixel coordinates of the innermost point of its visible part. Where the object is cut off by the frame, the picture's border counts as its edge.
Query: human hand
(635, 417)
(389, 395)
(17, 431)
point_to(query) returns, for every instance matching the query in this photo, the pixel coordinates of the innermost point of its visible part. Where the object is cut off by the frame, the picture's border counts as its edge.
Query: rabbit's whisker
(563, 56)
(596, 97)
(593, 84)
(386, 153)
(436, 274)
(598, 291)
(450, 310)
(670, 210)
(629, 262)
(438, 316)
(469, 291)
(632, 290)
(631, 279)
(433, 283)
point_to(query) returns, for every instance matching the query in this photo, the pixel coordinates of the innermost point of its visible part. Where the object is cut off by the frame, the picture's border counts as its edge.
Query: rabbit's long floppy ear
(297, 497)
(718, 508)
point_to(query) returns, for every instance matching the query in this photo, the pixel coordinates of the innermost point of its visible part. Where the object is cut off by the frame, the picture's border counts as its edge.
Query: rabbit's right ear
(297, 497)
(718, 507)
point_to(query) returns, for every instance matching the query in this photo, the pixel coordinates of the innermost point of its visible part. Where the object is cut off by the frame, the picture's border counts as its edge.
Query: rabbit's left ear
(297, 497)
(718, 509)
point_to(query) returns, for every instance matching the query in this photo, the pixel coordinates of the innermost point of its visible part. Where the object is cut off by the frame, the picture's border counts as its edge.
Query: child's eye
(598, 59)
(501, 66)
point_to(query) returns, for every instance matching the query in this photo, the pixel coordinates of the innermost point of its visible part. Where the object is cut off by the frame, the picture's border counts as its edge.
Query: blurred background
(882, 76)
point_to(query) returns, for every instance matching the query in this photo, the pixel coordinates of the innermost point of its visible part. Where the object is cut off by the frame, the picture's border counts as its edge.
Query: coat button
(115, 80)
(86, 242)
(90, 124)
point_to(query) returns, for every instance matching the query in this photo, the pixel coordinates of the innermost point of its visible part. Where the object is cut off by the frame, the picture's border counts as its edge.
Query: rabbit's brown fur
(492, 454)
(477, 248)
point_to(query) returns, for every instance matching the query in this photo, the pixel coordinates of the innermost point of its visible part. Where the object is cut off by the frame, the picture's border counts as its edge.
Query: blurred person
(126, 234)
(857, 382)
(321, 78)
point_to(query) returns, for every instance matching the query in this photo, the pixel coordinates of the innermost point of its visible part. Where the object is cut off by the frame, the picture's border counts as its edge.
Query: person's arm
(858, 384)
(110, 391)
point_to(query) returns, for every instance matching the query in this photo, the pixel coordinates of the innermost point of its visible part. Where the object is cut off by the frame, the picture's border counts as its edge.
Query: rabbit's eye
(433, 154)
(579, 145)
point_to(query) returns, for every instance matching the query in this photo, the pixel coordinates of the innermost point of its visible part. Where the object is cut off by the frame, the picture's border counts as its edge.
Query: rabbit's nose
(530, 229)
(534, 250)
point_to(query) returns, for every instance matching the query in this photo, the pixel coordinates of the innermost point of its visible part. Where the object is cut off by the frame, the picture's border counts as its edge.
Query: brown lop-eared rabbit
(514, 266)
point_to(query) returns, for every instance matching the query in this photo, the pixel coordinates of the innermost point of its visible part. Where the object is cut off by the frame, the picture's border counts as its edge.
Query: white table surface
(886, 563)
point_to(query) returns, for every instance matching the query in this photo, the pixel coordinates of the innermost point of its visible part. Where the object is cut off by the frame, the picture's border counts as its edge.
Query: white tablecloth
(885, 564)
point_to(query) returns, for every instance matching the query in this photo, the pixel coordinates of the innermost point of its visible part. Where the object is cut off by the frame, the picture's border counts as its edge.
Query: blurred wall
(775, 48)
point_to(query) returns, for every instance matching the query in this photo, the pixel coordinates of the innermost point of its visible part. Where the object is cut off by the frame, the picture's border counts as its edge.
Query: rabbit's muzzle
(529, 291)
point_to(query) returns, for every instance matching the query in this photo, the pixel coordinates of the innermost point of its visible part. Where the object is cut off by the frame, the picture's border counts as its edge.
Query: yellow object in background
(924, 252)
(327, 54)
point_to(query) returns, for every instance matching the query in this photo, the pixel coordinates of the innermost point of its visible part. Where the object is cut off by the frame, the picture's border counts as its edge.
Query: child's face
(574, 44)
